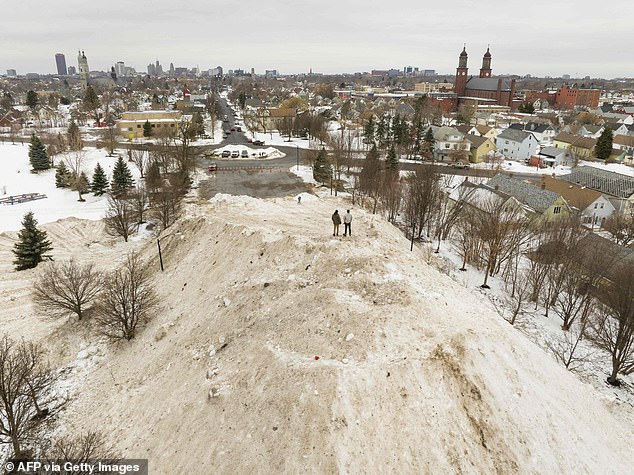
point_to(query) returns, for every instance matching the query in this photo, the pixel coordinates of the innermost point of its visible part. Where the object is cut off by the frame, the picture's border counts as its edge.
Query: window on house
(129, 129)
(557, 210)
(446, 145)
(138, 126)
(601, 205)
(595, 205)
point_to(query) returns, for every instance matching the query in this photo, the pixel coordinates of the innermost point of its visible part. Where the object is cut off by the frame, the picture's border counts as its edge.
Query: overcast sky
(540, 37)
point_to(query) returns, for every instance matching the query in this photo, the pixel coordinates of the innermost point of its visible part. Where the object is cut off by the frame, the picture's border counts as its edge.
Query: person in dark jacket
(336, 221)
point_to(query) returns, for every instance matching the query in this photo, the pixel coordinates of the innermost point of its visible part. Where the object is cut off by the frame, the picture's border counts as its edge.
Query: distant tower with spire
(84, 72)
(461, 73)
(485, 71)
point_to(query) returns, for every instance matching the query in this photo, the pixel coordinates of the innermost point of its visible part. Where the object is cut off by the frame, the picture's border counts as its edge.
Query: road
(272, 178)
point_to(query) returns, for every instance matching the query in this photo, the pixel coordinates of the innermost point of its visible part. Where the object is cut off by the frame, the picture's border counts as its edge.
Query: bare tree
(621, 226)
(466, 238)
(422, 196)
(75, 162)
(128, 300)
(84, 448)
(166, 205)
(140, 157)
(448, 212)
(67, 288)
(25, 392)
(568, 349)
(613, 327)
(120, 217)
(140, 199)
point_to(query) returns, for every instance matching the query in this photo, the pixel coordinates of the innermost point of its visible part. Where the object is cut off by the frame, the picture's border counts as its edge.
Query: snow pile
(282, 349)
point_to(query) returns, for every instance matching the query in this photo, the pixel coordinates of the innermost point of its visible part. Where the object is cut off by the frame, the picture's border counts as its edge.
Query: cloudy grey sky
(539, 37)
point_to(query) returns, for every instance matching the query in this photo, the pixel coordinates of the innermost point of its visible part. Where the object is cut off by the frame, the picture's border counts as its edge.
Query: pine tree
(603, 148)
(99, 184)
(32, 245)
(321, 170)
(121, 178)
(147, 129)
(31, 99)
(74, 137)
(392, 161)
(198, 124)
(91, 103)
(82, 185)
(368, 130)
(37, 154)
(62, 176)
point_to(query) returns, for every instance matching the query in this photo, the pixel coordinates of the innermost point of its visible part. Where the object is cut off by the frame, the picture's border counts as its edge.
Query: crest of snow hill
(281, 349)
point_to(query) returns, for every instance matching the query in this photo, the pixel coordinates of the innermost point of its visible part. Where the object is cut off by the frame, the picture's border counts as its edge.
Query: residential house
(618, 188)
(624, 143)
(620, 118)
(486, 131)
(582, 147)
(468, 129)
(449, 141)
(554, 157)
(545, 205)
(593, 207)
(592, 131)
(617, 129)
(516, 144)
(481, 148)
(542, 132)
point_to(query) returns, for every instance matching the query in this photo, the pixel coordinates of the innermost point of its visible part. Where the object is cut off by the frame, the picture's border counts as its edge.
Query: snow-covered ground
(517, 167)
(16, 178)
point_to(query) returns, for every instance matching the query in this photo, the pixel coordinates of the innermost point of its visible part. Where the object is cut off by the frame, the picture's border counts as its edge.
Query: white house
(449, 139)
(516, 144)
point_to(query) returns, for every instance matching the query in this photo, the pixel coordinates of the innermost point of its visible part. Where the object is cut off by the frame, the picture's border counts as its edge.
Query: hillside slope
(280, 349)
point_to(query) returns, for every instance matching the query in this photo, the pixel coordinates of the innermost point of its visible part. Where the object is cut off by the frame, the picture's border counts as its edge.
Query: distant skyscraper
(60, 60)
(151, 70)
(84, 72)
(11, 73)
(171, 69)
(120, 69)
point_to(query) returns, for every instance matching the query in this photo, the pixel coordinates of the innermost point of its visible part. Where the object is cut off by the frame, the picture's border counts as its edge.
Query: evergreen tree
(368, 130)
(99, 184)
(392, 161)
(198, 124)
(380, 131)
(91, 103)
(429, 143)
(121, 178)
(603, 148)
(31, 99)
(62, 176)
(32, 245)
(147, 129)
(74, 137)
(82, 185)
(37, 154)
(321, 169)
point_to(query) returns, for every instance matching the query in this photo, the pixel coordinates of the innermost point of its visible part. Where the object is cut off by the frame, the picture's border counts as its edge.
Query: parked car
(233, 129)
(462, 165)
(213, 166)
(226, 153)
(244, 154)
(235, 154)
(258, 142)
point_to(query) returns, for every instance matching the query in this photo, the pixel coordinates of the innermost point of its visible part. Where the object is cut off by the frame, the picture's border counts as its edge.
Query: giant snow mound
(281, 349)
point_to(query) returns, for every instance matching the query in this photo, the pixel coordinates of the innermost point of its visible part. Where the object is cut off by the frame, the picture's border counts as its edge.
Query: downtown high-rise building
(60, 60)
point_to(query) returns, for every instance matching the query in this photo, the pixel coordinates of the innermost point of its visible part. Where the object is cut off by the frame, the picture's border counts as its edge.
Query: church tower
(84, 72)
(460, 84)
(485, 71)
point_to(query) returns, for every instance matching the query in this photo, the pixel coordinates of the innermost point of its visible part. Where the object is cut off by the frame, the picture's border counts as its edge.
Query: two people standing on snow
(347, 221)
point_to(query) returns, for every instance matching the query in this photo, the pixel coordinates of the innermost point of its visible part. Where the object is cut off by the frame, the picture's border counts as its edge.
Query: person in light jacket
(347, 222)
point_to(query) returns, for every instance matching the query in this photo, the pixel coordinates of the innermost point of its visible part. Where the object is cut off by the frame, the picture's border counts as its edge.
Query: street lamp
(297, 155)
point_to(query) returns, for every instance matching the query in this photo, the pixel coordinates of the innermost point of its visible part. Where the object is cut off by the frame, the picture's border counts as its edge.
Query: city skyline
(552, 39)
